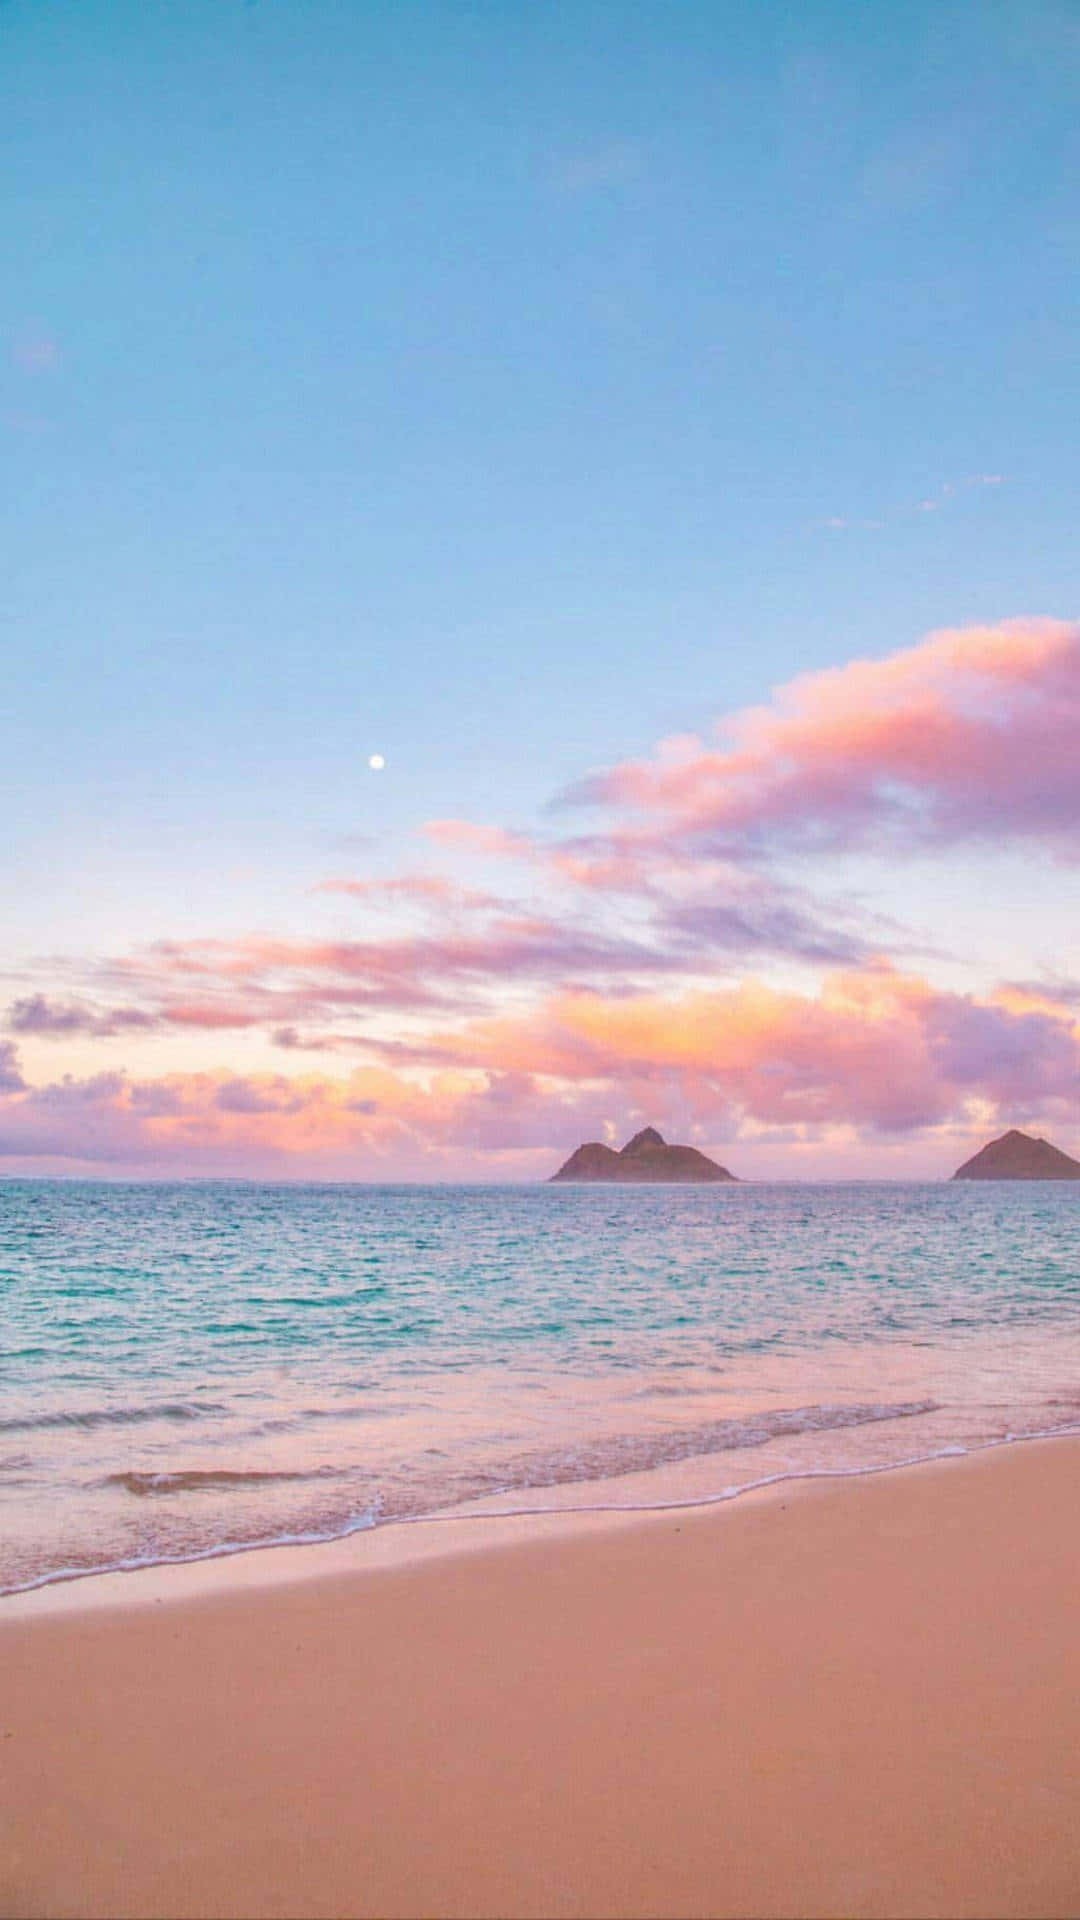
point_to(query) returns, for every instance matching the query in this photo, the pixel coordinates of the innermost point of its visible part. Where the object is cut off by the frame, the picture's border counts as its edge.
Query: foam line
(736, 1493)
(368, 1522)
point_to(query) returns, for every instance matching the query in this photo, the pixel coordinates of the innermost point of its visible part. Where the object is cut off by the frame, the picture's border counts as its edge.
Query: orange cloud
(874, 1051)
(617, 1006)
(872, 1048)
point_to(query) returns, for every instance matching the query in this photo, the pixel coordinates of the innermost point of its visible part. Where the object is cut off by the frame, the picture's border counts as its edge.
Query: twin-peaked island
(647, 1157)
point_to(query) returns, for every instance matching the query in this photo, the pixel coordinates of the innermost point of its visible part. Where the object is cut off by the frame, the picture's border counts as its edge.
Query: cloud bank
(662, 964)
(880, 1052)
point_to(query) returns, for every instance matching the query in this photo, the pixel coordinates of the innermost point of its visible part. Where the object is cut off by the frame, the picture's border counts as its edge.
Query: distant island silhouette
(646, 1157)
(1019, 1156)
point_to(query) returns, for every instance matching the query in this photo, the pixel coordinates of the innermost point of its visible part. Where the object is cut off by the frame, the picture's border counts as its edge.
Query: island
(646, 1157)
(1019, 1156)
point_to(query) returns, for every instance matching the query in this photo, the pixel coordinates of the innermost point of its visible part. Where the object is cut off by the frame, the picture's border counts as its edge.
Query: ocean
(188, 1370)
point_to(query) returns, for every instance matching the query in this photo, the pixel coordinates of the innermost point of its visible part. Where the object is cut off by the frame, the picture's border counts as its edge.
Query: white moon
(376, 762)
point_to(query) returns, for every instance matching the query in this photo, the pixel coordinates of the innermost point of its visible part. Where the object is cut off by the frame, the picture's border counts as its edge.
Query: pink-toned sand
(851, 1698)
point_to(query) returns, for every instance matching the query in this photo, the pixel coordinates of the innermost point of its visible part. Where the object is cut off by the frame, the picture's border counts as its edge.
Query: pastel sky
(651, 429)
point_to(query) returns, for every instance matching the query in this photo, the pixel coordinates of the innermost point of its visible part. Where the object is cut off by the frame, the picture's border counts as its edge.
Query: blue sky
(501, 388)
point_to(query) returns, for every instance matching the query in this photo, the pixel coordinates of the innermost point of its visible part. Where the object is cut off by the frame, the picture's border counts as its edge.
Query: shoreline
(472, 1525)
(506, 1360)
(855, 1695)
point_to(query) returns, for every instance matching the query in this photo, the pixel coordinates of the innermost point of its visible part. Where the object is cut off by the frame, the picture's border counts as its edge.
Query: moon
(376, 761)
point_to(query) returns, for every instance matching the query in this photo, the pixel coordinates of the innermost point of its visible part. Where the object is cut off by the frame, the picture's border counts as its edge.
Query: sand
(851, 1697)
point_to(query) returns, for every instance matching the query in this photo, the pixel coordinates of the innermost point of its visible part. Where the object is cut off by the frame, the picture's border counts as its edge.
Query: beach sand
(848, 1697)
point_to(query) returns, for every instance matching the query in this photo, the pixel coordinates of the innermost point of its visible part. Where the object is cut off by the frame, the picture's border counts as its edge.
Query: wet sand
(847, 1697)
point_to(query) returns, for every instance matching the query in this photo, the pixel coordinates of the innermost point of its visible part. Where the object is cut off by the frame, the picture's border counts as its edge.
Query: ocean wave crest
(90, 1417)
(208, 1480)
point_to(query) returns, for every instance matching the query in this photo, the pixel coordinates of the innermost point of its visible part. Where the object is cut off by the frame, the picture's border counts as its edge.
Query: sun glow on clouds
(683, 954)
(968, 735)
(875, 1050)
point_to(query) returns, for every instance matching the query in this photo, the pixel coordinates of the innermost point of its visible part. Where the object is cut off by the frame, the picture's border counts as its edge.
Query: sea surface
(192, 1369)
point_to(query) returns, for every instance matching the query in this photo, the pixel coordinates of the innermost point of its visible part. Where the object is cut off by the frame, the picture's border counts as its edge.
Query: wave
(785, 1477)
(221, 1550)
(88, 1418)
(611, 1457)
(372, 1517)
(614, 1456)
(209, 1480)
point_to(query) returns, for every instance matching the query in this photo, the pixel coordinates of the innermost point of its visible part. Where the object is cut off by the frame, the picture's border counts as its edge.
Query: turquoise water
(186, 1368)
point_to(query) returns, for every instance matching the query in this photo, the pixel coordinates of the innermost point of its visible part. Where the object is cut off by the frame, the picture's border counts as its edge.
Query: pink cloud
(969, 735)
(11, 1080)
(520, 1024)
(209, 1016)
(695, 901)
(879, 1053)
(280, 981)
(873, 1048)
(265, 1095)
(38, 1016)
(469, 837)
(423, 889)
(414, 886)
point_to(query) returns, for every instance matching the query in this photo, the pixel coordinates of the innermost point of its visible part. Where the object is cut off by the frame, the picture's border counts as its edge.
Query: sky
(649, 431)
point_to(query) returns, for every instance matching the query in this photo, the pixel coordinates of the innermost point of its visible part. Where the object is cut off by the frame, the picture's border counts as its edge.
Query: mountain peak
(643, 1141)
(1019, 1156)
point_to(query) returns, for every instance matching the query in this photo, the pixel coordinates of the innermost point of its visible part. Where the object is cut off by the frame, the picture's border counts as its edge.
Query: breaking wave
(210, 1480)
